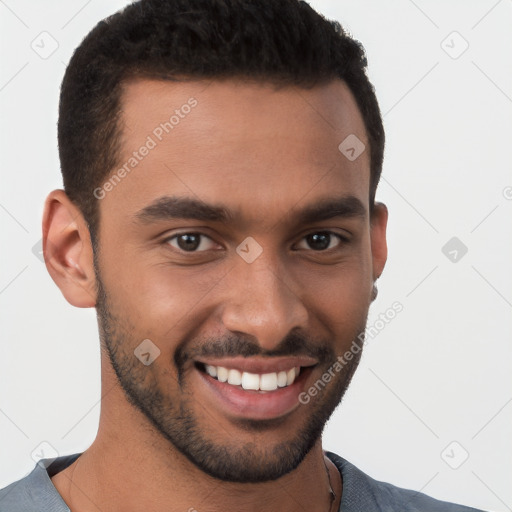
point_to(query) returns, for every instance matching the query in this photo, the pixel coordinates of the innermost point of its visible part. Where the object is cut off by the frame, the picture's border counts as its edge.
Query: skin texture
(264, 154)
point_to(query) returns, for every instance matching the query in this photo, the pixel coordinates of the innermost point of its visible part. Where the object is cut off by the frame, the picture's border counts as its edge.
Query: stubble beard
(175, 420)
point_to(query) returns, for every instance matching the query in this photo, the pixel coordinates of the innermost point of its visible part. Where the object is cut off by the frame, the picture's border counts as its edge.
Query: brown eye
(321, 241)
(191, 242)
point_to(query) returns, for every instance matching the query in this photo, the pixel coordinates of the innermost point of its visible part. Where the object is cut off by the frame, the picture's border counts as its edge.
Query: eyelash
(342, 240)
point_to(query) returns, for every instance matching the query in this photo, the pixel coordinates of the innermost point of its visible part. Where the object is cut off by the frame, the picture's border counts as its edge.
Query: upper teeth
(254, 381)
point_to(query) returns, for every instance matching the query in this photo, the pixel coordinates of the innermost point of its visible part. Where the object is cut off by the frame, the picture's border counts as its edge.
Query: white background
(439, 372)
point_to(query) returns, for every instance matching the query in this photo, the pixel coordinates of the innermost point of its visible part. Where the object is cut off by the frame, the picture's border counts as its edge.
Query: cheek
(160, 300)
(338, 296)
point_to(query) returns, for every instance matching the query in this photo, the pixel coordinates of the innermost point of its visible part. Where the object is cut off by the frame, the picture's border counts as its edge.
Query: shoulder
(19, 496)
(15, 496)
(35, 491)
(361, 492)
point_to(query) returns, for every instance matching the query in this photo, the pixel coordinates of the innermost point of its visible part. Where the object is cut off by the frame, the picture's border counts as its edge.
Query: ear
(378, 224)
(67, 250)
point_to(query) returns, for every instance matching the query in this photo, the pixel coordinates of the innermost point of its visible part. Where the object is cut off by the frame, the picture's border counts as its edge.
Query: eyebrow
(330, 208)
(172, 207)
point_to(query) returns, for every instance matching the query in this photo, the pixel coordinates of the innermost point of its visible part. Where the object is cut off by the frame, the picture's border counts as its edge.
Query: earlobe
(68, 250)
(378, 224)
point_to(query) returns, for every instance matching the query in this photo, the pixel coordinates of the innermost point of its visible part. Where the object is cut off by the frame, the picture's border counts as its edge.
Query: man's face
(240, 244)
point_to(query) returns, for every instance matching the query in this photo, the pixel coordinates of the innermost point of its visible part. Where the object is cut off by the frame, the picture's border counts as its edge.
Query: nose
(263, 301)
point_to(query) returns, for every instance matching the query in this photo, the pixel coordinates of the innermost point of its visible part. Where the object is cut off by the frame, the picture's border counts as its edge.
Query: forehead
(249, 146)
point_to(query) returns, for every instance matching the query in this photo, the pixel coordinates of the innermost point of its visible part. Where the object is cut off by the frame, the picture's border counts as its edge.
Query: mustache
(231, 345)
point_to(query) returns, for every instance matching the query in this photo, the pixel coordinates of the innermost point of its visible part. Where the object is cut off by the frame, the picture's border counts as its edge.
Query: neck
(129, 467)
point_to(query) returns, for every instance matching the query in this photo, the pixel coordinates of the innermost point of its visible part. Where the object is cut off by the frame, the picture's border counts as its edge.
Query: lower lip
(255, 405)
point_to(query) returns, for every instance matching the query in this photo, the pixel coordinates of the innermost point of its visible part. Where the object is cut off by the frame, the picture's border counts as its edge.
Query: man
(220, 162)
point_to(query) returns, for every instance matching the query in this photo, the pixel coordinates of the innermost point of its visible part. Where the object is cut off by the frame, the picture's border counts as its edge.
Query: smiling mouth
(248, 381)
(255, 388)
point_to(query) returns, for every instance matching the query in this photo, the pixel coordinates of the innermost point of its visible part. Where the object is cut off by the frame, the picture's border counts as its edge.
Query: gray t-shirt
(36, 493)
